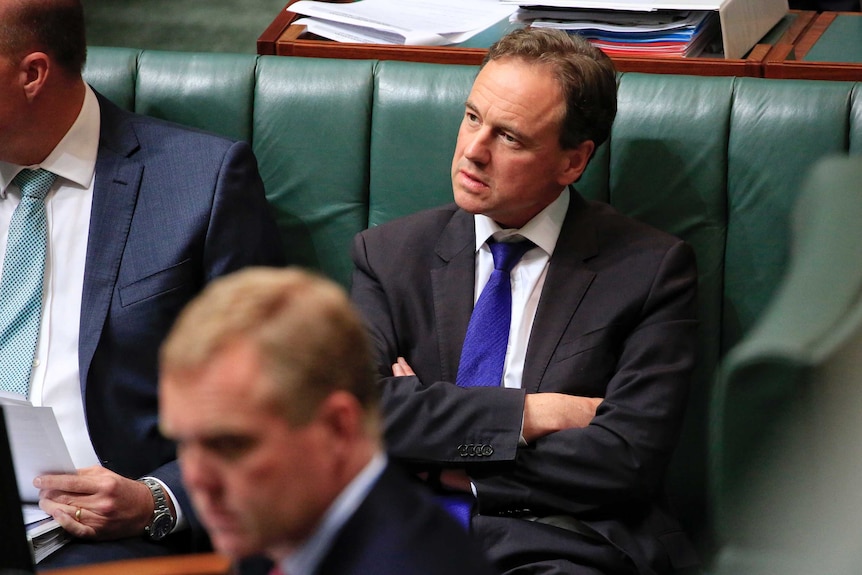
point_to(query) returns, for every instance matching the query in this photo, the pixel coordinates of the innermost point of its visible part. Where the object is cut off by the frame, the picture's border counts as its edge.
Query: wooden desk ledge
(202, 564)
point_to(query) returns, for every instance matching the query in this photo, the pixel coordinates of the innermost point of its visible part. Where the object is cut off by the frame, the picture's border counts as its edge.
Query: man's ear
(342, 415)
(575, 162)
(33, 73)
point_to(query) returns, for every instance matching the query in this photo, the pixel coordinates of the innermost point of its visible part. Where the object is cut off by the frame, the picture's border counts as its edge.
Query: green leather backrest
(113, 71)
(667, 170)
(778, 129)
(312, 124)
(417, 111)
(771, 385)
(213, 92)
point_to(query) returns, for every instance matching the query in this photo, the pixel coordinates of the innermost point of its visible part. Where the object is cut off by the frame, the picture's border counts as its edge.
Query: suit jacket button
(487, 450)
(463, 450)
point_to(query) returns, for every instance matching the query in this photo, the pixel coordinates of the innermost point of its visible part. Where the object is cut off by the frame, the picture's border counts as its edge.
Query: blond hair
(310, 339)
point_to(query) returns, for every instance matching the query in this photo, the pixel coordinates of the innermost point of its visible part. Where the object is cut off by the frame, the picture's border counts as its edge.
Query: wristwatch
(163, 520)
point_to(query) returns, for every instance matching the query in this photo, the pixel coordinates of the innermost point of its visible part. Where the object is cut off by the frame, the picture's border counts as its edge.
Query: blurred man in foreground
(268, 388)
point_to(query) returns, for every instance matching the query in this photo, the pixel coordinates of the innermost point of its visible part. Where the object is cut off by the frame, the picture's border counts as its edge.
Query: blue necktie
(21, 284)
(484, 351)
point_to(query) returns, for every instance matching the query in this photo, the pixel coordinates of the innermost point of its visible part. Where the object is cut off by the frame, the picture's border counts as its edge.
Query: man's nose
(477, 149)
(198, 473)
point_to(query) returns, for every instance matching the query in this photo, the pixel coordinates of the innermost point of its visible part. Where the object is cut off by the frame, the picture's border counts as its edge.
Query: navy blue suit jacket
(173, 208)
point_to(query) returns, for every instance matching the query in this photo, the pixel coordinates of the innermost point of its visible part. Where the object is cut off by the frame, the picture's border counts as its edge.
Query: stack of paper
(631, 5)
(43, 532)
(37, 447)
(672, 33)
(411, 22)
(739, 25)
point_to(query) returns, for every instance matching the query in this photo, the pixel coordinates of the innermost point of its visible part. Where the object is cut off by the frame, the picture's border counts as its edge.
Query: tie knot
(34, 183)
(507, 254)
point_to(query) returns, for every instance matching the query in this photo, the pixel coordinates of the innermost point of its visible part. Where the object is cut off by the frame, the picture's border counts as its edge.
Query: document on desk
(742, 23)
(43, 532)
(37, 444)
(632, 5)
(408, 22)
(671, 33)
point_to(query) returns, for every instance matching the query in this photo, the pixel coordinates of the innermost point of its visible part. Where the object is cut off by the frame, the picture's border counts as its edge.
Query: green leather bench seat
(343, 145)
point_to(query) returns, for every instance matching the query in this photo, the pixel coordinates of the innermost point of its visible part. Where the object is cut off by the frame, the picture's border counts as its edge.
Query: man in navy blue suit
(141, 215)
(269, 390)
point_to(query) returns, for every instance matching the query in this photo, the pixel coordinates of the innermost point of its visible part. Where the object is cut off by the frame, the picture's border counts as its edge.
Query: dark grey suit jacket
(173, 208)
(616, 319)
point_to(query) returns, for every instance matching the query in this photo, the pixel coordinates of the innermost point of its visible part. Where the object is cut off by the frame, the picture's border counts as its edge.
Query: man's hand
(456, 480)
(111, 506)
(401, 368)
(546, 413)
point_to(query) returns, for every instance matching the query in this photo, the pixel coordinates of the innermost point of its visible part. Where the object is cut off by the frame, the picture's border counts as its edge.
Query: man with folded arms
(535, 348)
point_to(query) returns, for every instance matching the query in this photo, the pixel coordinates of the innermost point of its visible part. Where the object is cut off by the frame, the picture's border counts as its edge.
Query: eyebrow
(520, 136)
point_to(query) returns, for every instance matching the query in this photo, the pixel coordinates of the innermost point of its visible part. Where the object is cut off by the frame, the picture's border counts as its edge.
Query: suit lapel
(115, 194)
(452, 288)
(565, 285)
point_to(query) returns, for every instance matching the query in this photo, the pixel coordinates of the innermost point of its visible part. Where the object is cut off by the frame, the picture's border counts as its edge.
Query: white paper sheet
(412, 22)
(33, 513)
(45, 537)
(37, 446)
(644, 5)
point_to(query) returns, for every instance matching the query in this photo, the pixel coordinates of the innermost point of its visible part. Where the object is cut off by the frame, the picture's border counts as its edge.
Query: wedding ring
(78, 515)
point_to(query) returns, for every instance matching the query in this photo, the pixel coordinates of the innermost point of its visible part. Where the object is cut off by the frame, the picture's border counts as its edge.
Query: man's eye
(230, 447)
(472, 117)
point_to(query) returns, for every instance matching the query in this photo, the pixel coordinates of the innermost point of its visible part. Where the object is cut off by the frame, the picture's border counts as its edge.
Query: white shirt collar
(74, 158)
(543, 230)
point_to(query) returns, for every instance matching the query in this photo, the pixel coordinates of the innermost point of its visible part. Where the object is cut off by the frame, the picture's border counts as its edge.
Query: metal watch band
(163, 520)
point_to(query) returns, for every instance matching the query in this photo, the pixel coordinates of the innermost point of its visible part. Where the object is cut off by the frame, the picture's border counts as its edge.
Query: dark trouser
(520, 547)
(80, 552)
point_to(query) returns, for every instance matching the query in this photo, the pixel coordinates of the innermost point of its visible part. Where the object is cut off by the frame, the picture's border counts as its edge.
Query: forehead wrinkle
(516, 114)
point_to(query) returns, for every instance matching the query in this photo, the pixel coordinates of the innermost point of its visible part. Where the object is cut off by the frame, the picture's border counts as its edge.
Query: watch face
(161, 526)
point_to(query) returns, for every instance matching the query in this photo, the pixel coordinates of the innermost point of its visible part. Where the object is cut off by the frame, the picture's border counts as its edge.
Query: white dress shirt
(55, 380)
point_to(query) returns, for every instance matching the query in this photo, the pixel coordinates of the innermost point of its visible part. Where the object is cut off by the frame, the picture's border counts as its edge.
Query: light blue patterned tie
(21, 284)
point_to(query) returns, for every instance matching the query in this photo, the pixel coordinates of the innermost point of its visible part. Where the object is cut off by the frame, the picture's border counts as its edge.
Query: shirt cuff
(521, 441)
